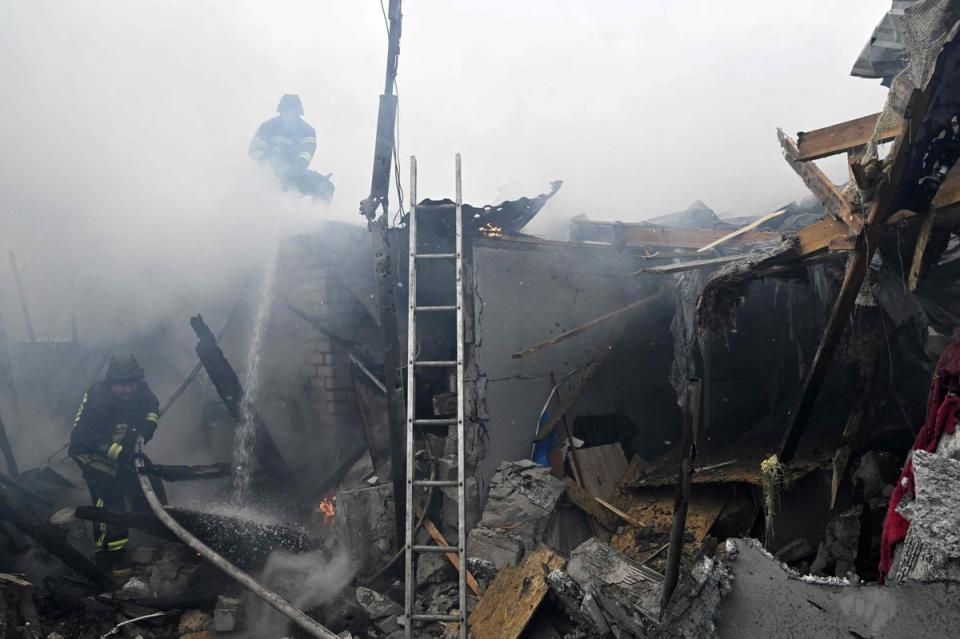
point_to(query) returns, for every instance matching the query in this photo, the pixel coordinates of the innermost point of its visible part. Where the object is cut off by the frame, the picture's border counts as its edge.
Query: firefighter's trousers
(116, 488)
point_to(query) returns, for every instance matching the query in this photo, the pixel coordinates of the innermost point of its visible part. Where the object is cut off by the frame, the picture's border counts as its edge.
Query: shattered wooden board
(513, 597)
(603, 467)
(653, 507)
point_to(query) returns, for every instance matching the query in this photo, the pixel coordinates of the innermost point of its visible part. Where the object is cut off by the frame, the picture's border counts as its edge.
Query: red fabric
(943, 413)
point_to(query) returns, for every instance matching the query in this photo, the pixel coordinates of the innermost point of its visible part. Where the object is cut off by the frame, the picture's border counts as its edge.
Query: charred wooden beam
(819, 184)
(231, 392)
(138, 521)
(53, 539)
(175, 395)
(188, 601)
(168, 472)
(244, 542)
(688, 452)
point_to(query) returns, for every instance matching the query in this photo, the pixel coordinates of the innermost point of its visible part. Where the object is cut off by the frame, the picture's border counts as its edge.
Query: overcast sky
(126, 122)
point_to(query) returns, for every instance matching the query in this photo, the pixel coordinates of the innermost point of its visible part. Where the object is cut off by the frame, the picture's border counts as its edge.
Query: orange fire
(491, 230)
(327, 507)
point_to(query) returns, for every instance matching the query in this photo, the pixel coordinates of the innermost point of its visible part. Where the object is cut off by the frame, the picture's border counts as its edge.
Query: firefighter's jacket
(284, 144)
(104, 420)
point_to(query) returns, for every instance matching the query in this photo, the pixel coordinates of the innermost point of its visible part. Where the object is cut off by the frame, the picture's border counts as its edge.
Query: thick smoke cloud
(124, 179)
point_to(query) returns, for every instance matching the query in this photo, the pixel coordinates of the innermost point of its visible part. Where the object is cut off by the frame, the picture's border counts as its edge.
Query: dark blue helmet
(290, 102)
(125, 369)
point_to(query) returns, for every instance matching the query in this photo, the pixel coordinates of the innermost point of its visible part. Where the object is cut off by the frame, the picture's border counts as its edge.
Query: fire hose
(276, 601)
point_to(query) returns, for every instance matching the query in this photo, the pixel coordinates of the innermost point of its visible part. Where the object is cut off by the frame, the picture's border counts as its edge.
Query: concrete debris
(135, 588)
(434, 568)
(931, 549)
(869, 474)
(600, 578)
(365, 525)
(520, 508)
(497, 548)
(746, 592)
(581, 607)
(838, 551)
(383, 612)
(225, 613)
(694, 610)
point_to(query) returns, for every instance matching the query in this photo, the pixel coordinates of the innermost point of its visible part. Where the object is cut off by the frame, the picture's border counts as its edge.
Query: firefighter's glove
(126, 456)
(149, 427)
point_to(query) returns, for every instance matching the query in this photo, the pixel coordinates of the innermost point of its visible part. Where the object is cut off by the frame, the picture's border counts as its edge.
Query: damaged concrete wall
(528, 293)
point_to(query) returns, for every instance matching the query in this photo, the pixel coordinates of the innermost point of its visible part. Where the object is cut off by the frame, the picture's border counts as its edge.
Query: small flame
(491, 230)
(327, 507)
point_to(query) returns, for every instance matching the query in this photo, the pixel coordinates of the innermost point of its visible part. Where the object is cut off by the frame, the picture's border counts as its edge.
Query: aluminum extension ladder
(413, 365)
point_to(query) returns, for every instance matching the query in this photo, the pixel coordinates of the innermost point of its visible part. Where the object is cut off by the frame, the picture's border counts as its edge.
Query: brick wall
(324, 365)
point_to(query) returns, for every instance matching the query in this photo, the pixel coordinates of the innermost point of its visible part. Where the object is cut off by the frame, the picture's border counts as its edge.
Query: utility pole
(376, 209)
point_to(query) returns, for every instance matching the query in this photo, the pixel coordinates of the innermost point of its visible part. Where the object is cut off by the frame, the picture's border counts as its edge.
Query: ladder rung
(436, 617)
(445, 421)
(435, 256)
(435, 363)
(434, 309)
(447, 549)
(435, 483)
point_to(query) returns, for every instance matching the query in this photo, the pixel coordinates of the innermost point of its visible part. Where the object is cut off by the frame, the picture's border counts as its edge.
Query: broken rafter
(819, 184)
(883, 205)
(649, 235)
(841, 138)
(741, 231)
(175, 395)
(916, 265)
(817, 237)
(633, 306)
(231, 392)
(678, 267)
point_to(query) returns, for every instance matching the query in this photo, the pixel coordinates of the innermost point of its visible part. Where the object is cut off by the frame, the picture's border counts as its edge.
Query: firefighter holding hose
(113, 413)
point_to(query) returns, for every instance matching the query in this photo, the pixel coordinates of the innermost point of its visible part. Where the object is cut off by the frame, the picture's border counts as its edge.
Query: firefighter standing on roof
(287, 143)
(112, 415)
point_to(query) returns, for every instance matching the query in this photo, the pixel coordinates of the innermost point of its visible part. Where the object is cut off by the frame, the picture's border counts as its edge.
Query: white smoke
(305, 580)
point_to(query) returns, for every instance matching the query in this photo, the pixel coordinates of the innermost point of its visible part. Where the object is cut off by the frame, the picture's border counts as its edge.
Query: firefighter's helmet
(290, 102)
(125, 369)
